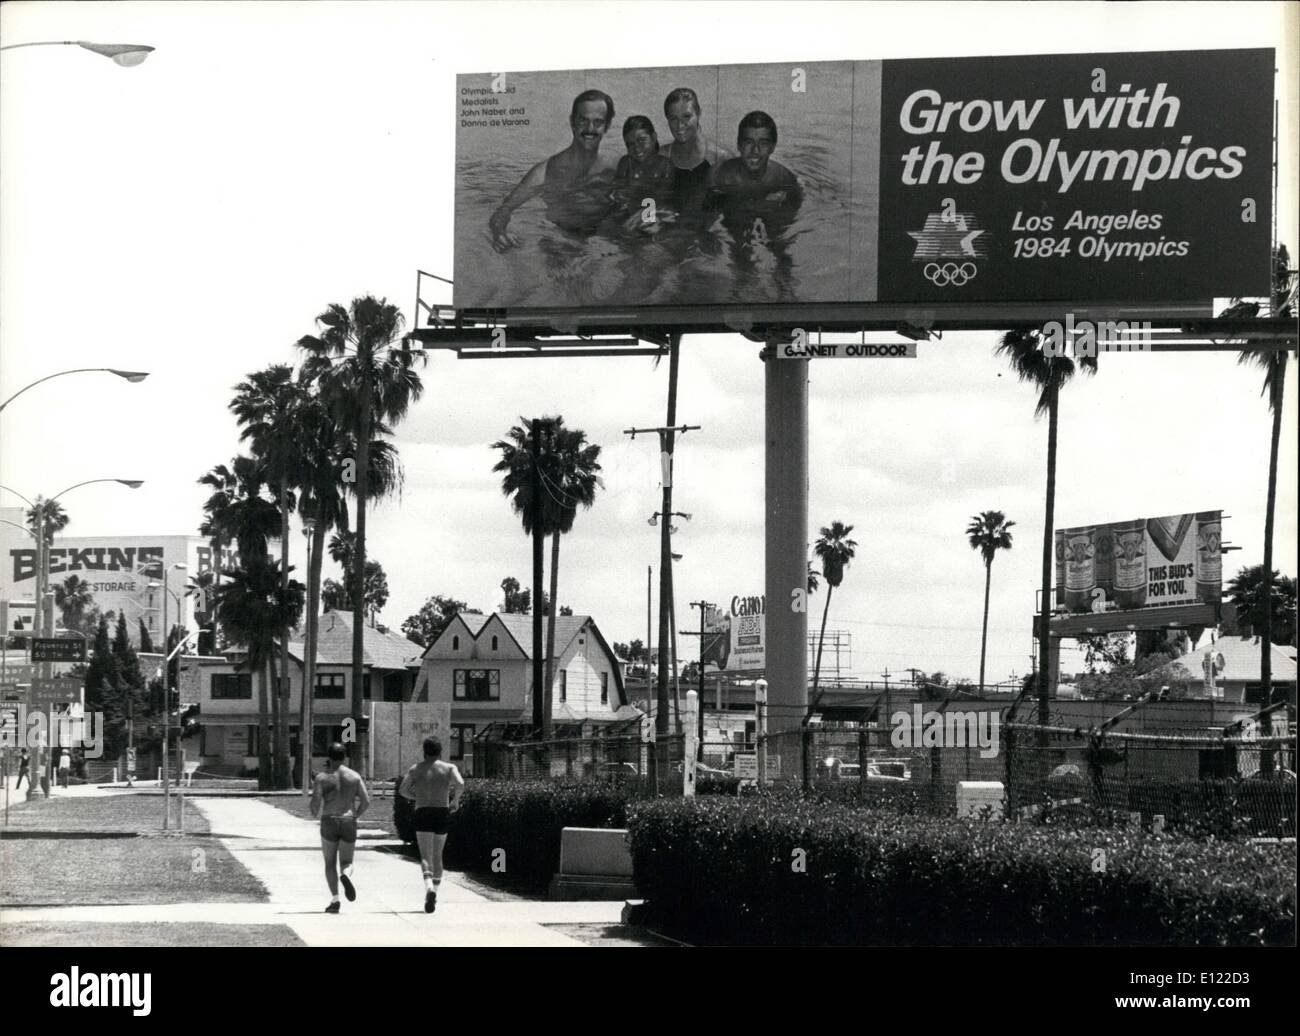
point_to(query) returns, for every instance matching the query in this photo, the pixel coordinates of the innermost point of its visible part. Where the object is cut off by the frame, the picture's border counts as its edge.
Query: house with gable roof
(482, 665)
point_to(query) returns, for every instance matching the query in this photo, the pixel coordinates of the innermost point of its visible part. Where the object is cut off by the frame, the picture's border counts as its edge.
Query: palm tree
(1024, 350)
(267, 404)
(366, 382)
(238, 513)
(568, 467)
(73, 598)
(1273, 361)
(989, 532)
(520, 476)
(835, 550)
(224, 485)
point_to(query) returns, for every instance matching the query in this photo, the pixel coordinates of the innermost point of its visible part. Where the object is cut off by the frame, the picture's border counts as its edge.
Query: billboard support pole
(666, 544)
(786, 533)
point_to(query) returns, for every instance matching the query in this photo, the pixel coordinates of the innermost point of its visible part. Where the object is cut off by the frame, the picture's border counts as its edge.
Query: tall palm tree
(238, 513)
(1273, 362)
(367, 382)
(224, 484)
(569, 480)
(1024, 351)
(989, 532)
(835, 551)
(73, 598)
(267, 405)
(518, 482)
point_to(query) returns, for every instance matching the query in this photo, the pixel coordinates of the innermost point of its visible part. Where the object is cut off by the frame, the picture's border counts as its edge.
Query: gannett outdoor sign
(1118, 178)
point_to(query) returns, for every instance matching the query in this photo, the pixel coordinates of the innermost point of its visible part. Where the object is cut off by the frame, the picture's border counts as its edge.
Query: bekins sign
(1123, 178)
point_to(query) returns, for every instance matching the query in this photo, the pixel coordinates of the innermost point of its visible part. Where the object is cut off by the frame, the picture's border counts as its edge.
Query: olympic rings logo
(949, 273)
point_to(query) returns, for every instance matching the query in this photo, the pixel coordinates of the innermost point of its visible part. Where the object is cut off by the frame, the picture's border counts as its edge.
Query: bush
(525, 819)
(723, 871)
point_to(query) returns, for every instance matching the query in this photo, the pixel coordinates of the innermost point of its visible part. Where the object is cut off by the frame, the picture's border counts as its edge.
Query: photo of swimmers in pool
(649, 206)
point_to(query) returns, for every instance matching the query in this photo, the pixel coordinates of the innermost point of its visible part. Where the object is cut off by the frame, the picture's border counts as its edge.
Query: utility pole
(538, 690)
(666, 435)
(702, 606)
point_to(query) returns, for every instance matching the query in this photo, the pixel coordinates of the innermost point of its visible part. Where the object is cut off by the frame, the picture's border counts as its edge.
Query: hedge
(525, 819)
(725, 871)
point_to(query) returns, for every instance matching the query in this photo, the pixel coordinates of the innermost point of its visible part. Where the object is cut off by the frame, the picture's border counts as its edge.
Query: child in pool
(643, 173)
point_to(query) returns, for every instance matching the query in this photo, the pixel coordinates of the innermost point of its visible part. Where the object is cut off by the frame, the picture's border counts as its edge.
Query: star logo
(955, 238)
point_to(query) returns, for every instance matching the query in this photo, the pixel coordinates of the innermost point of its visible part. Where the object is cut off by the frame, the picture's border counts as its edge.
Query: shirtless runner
(436, 788)
(337, 790)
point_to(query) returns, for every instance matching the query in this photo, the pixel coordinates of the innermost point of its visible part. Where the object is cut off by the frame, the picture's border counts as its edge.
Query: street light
(135, 377)
(128, 55)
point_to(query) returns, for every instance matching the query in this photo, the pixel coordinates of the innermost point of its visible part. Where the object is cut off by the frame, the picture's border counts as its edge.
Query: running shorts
(338, 829)
(436, 819)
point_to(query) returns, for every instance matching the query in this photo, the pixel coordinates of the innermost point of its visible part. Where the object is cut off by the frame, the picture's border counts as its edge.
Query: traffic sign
(845, 350)
(19, 673)
(56, 690)
(58, 649)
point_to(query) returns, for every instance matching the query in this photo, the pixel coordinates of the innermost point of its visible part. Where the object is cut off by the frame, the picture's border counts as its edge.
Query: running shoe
(430, 901)
(348, 889)
(333, 908)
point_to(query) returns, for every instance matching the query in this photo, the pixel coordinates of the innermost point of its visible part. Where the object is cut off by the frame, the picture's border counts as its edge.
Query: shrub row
(525, 819)
(726, 871)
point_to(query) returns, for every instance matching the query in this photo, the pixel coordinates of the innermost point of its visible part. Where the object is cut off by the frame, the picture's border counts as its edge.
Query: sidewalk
(283, 852)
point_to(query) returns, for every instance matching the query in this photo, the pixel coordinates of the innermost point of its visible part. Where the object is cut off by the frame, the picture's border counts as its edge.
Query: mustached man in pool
(758, 196)
(589, 120)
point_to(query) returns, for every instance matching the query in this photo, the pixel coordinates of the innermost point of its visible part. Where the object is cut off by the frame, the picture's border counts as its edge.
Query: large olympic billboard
(1126, 178)
(1143, 563)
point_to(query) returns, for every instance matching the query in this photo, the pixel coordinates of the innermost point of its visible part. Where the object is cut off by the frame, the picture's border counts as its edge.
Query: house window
(494, 642)
(329, 685)
(477, 685)
(232, 686)
(455, 643)
(604, 688)
(365, 687)
(462, 735)
(564, 685)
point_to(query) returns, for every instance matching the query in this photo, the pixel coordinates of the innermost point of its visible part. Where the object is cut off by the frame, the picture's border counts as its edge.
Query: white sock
(334, 899)
(348, 870)
(428, 882)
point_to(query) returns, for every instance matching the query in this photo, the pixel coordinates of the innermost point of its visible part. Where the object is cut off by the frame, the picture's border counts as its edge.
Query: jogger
(337, 791)
(436, 788)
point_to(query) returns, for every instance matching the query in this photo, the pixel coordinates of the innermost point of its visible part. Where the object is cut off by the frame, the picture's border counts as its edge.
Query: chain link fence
(651, 767)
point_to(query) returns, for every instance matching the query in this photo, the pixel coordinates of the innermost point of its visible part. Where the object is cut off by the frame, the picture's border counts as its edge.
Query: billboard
(1131, 178)
(116, 569)
(733, 636)
(1142, 563)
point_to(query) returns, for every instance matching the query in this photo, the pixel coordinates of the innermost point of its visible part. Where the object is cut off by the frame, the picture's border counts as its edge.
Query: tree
(326, 446)
(56, 518)
(988, 532)
(568, 466)
(73, 598)
(1273, 361)
(517, 602)
(835, 551)
(1108, 649)
(520, 465)
(434, 616)
(104, 688)
(1246, 593)
(341, 596)
(267, 405)
(146, 641)
(1034, 363)
(367, 382)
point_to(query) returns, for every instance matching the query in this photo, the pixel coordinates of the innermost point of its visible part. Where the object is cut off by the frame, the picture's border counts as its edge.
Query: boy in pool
(643, 173)
(753, 179)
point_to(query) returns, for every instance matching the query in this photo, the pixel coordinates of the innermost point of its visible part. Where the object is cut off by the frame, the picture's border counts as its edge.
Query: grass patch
(609, 934)
(51, 933)
(125, 812)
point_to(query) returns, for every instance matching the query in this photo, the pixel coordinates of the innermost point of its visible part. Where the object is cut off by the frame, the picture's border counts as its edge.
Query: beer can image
(1131, 564)
(1080, 568)
(1209, 558)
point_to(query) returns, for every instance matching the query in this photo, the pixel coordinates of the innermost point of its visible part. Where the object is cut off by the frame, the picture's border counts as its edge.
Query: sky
(190, 217)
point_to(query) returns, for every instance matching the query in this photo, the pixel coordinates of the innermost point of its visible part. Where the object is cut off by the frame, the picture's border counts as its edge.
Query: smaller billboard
(1140, 563)
(733, 636)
